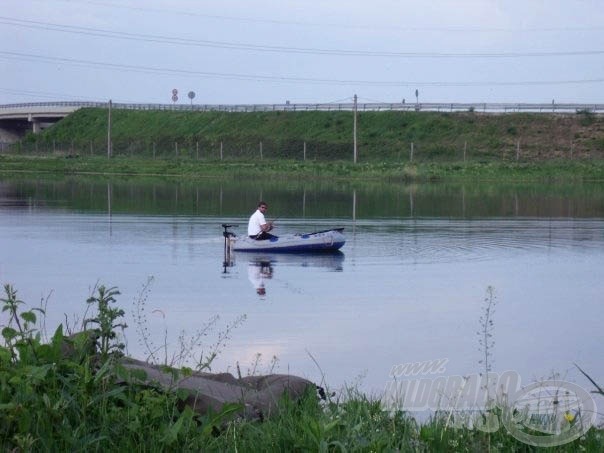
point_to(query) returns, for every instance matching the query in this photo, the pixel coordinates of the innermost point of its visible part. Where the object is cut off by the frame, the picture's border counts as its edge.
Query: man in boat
(258, 228)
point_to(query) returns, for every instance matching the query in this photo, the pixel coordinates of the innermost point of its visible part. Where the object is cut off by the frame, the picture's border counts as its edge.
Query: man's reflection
(258, 272)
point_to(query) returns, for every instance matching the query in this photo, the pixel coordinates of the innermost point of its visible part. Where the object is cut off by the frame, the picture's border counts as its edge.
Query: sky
(302, 51)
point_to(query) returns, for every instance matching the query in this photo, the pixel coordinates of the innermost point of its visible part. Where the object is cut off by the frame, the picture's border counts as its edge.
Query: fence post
(91, 147)
(109, 140)
(518, 150)
(354, 129)
(260, 150)
(411, 153)
(153, 150)
(176, 148)
(304, 151)
(220, 149)
(197, 149)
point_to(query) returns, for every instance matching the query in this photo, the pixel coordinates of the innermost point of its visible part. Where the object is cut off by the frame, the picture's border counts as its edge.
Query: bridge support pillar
(36, 125)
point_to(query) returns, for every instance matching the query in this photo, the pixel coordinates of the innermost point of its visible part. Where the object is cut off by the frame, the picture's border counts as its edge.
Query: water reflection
(261, 266)
(332, 261)
(258, 272)
(229, 198)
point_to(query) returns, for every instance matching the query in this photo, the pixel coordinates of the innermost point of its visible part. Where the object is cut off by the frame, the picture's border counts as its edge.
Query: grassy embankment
(445, 145)
(67, 394)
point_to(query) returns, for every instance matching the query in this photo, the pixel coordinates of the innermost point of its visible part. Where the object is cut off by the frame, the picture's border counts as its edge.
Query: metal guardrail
(287, 107)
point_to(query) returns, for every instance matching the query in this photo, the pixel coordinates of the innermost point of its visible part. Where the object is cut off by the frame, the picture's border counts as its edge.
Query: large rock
(210, 392)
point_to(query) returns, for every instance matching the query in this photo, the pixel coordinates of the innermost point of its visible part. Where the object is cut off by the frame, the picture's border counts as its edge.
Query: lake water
(409, 285)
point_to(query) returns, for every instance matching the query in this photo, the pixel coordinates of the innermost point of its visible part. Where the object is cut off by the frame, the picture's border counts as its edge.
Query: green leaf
(58, 335)
(103, 371)
(172, 433)
(9, 333)
(329, 426)
(117, 393)
(38, 373)
(29, 316)
(182, 394)
(47, 353)
(226, 411)
(5, 355)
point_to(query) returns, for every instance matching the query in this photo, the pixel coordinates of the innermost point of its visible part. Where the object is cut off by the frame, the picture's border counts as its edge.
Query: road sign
(191, 95)
(174, 98)
(174, 92)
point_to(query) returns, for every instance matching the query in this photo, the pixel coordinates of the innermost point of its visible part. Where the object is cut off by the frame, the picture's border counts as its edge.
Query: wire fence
(459, 150)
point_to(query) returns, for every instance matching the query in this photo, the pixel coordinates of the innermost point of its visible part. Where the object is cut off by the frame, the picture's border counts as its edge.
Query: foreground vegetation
(63, 395)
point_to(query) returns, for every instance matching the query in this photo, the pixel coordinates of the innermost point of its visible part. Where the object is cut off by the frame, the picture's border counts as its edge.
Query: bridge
(17, 119)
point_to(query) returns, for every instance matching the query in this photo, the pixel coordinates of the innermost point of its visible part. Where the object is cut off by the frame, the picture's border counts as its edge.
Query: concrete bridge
(17, 119)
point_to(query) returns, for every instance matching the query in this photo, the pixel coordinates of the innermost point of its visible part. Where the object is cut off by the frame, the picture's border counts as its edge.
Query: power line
(98, 32)
(265, 78)
(334, 25)
(54, 96)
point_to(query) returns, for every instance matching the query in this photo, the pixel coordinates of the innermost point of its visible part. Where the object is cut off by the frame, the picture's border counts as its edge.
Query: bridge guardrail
(349, 106)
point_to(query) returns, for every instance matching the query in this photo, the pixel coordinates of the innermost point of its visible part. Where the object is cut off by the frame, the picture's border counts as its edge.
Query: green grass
(189, 168)
(54, 398)
(382, 136)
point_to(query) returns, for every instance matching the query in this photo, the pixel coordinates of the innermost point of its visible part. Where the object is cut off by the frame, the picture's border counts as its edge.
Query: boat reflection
(332, 261)
(261, 266)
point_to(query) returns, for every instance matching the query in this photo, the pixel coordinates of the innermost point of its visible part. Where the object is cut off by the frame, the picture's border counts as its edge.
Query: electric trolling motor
(227, 245)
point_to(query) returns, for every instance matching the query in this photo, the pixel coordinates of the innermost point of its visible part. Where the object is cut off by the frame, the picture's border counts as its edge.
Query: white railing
(423, 106)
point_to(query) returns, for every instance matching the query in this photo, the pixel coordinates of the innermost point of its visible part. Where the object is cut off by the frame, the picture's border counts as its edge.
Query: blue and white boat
(319, 241)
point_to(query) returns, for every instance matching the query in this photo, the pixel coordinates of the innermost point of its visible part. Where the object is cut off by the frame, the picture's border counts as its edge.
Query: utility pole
(109, 131)
(354, 128)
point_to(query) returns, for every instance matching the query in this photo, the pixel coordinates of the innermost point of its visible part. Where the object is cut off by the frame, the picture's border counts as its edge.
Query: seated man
(258, 228)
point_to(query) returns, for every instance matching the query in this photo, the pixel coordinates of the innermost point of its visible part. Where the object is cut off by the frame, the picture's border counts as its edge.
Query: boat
(318, 241)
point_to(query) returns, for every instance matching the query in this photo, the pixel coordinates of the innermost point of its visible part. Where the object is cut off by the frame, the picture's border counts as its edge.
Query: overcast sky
(270, 51)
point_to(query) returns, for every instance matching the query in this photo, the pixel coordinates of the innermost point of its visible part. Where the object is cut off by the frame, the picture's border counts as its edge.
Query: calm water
(408, 286)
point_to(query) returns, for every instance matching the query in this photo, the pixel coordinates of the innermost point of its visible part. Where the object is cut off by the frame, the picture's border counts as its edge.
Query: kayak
(319, 241)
